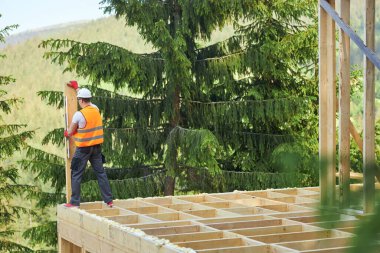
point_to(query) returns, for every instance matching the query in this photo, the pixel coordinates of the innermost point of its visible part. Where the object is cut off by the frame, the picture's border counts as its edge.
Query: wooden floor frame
(270, 221)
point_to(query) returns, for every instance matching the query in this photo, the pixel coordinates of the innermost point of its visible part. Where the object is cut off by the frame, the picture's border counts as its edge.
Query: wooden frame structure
(270, 221)
(328, 18)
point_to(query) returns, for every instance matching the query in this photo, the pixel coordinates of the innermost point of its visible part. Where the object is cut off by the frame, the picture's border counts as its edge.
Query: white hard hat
(84, 93)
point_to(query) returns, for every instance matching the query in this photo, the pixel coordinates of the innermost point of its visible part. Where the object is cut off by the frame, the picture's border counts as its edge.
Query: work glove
(73, 84)
(67, 135)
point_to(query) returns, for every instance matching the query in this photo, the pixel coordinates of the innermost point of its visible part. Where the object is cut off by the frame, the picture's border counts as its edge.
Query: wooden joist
(248, 221)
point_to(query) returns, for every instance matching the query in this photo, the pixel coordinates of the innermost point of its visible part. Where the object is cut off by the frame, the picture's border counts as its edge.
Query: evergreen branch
(45, 199)
(27, 163)
(8, 174)
(119, 173)
(139, 143)
(147, 186)
(128, 98)
(47, 172)
(134, 129)
(49, 167)
(198, 148)
(4, 32)
(45, 251)
(55, 137)
(102, 61)
(222, 57)
(252, 101)
(8, 191)
(239, 113)
(40, 155)
(10, 129)
(14, 247)
(5, 105)
(5, 80)
(141, 112)
(251, 142)
(9, 213)
(10, 144)
(6, 233)
(263, 134)
(37, 235)
(54, 98)
(6, 217)
(200, 180)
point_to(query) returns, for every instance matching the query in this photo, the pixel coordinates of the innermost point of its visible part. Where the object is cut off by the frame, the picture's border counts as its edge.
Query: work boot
(69, 205)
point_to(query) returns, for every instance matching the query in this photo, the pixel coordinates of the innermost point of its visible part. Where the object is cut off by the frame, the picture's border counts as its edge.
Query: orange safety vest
(92, 133)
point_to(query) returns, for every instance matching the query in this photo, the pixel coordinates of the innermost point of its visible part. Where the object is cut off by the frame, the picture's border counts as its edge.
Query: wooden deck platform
(270, 221)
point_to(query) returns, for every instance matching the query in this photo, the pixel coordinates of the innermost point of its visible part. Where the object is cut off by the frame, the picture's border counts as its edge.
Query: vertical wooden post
(369, 111)
(344, 107)
(71, 106)
(327, 106)
(64, 246)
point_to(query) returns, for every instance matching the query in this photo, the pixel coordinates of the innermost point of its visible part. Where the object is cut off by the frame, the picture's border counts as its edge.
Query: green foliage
(13, 138)
(147, 186)
(198, 180)
(38, 234)
(296, 158)
(54, 98)
(367, 234)
(48, 167)
(196, 148)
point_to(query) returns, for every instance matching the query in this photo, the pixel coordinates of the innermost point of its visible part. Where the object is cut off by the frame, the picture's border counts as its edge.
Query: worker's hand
(73, 84)
(66, 134)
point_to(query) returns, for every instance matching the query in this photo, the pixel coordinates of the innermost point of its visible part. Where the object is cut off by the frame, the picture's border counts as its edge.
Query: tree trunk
(169, 186)
(169, 180)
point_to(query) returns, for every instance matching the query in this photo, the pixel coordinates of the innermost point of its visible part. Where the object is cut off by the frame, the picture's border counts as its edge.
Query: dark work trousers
(78, 165)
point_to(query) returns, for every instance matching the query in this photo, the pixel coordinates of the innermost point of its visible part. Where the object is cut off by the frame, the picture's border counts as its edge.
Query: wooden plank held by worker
(71, 107)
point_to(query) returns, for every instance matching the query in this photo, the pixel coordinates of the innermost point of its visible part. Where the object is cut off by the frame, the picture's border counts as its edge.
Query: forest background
(33, 73)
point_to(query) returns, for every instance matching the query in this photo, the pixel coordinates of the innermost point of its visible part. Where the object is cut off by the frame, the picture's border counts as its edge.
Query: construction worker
(87, 129)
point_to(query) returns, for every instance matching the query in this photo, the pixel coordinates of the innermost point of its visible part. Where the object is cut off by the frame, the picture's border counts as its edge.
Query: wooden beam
(353, 175)
(295, 236)
(344, 108)
(71, 106)
(327, 106)
(187, 237)
(65, 246)
(369, 112)
(368, 51)
(213, 243)
(318, 244)
(245, 249)
(356, 136)
(358, 140)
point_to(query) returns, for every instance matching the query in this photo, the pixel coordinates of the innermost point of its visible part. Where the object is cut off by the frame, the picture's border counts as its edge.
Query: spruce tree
(13, 138)
(224, 105)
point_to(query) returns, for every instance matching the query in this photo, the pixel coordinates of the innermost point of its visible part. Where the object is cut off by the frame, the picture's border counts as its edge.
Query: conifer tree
(224, 105)
(13, 138)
